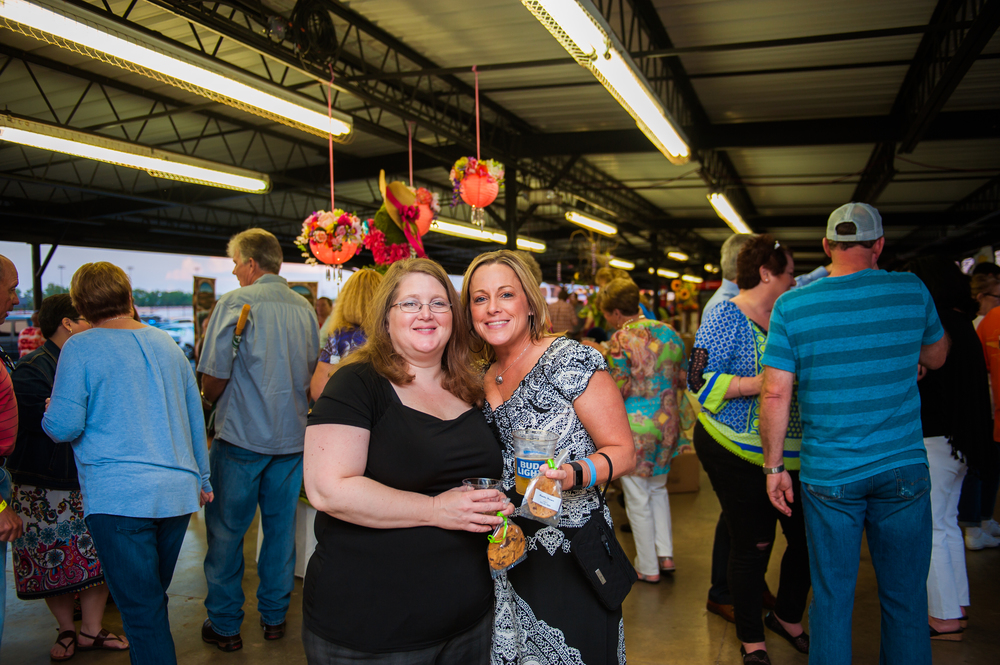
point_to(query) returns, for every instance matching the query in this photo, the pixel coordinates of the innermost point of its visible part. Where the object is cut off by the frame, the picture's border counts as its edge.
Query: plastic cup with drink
(532, 447)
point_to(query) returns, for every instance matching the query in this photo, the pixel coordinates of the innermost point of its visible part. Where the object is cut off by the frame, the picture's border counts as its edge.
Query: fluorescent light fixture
(711, 268)
(667, 274)
(158, 163)
(621, 263)
(581, 29)
(678, 256)
(592, 223)
(104, 39)
(692, 279)
(728, 213)
(459, 229)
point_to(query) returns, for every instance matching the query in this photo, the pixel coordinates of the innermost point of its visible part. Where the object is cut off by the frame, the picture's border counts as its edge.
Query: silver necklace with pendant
(499, 377)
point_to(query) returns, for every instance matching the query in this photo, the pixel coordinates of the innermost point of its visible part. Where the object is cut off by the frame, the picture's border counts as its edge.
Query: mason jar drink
(532, 447)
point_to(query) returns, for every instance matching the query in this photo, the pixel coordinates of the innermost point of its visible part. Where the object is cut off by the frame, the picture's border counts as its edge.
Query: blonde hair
(607, 273)
(620, 294)
(355, 297)
(460, 379)
(100, 291)
(537, 319)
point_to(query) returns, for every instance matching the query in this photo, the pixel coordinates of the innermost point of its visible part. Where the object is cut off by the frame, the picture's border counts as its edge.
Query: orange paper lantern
(424, 220)
(479, 191)
(332, 257)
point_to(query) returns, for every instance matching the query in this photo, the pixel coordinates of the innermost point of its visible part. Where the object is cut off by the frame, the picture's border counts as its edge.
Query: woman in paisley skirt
(546, 611)
(55, 557)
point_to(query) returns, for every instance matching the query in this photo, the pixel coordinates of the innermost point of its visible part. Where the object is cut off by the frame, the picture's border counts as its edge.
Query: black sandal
(99, 640)
(65, 635)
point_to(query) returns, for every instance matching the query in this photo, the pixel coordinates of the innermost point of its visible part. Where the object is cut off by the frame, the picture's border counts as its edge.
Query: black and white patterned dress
(546, 611)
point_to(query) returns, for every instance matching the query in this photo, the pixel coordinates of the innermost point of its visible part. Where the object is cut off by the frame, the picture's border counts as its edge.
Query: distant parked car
(183, 333)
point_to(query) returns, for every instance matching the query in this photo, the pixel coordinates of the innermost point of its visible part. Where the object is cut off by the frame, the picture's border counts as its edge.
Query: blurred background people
(126, 382)
(726, 375)
(324, 306)
(46, 495)
(647, 360)
(957, 427)
(979, 491)
(389, 442)
(563, 316)
(546, 611)
(345, 331)
(30, 338)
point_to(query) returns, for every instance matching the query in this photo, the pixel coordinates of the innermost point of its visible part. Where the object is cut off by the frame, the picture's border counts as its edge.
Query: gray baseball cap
(866, 219)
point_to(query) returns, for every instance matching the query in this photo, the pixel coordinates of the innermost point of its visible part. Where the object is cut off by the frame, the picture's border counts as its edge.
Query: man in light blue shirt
(260, 422)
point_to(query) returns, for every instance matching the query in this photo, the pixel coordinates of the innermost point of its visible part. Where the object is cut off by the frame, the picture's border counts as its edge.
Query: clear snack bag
(543, 499)
(507, 547)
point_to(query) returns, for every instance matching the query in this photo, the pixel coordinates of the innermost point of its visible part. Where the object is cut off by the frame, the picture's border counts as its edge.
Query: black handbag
(601, 556)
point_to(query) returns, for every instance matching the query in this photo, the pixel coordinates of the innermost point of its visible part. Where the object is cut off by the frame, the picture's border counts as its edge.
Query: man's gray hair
(730, 250)
(259, 245)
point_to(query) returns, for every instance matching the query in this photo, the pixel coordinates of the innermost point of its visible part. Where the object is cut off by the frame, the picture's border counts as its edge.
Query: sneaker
(977, 539)
(991, 528)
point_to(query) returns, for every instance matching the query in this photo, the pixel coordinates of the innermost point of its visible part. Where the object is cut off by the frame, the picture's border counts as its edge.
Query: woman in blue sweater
(126, 397)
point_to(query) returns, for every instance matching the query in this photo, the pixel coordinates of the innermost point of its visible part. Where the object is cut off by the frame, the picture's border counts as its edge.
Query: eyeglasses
(412, 306)
(992, 295)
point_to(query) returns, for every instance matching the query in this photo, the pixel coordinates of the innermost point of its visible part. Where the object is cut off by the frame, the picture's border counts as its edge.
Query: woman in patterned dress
(546, 611)
(725, 374)
(55, 557)
(648, 361)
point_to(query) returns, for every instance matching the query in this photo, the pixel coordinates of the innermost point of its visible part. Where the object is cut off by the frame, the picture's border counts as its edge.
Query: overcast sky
(151, 271)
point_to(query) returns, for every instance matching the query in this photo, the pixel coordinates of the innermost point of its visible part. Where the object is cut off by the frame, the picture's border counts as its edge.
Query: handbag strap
(611, 474)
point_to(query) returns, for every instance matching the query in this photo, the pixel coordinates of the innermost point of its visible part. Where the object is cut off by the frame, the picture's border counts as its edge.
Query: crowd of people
(844, 402)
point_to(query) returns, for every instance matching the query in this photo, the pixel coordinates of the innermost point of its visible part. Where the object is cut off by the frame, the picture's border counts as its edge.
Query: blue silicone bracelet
(593, 472)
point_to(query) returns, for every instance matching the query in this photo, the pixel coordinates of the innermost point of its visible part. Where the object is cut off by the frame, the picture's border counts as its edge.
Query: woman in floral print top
(647, 360)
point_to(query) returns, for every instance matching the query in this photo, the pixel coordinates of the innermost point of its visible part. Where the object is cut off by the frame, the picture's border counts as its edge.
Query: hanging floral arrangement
(477, 182)
(331, 237)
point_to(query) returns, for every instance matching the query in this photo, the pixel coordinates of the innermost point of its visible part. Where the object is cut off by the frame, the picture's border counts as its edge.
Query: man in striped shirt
(10, 524)
(853, 342)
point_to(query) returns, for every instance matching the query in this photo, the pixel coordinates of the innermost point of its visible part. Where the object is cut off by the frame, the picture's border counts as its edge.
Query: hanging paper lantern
(331, 237)
(477, 182)
(479, 191)
(333, 257)
(427, 204)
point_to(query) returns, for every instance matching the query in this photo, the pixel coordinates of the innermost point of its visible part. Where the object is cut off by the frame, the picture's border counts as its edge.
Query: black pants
(750, 519)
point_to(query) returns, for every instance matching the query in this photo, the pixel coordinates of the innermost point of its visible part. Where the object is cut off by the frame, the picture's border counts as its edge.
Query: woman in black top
(957, 427)
(400, 572)
(55, 558)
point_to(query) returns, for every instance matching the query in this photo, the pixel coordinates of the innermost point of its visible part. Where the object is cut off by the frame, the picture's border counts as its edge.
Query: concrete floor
(664, 623)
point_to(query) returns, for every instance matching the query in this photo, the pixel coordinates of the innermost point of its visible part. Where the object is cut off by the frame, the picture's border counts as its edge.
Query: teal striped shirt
(853, 343)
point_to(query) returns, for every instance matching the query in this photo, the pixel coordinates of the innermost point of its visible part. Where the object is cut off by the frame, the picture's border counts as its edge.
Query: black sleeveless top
(383, 590)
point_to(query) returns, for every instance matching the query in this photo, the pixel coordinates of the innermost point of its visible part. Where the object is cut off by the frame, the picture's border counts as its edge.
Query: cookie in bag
(506, 550)
(544, 498)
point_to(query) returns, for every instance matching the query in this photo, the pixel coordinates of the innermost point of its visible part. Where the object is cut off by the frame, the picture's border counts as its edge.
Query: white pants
(947, 581)
(647, 505)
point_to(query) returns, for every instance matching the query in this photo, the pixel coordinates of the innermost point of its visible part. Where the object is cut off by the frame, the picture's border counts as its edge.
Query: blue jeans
(894, 509)
(242, 479)
(138, 555)
(5, 493)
